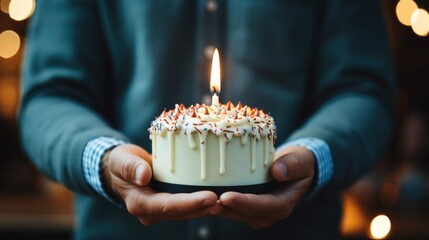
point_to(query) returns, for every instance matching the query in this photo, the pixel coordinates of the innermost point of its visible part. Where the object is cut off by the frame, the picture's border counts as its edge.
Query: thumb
(293, 163)
(125, 163)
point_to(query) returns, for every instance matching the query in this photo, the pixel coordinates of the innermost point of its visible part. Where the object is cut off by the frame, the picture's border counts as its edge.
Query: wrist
(93, 165)
(106, 177)
(323, 162)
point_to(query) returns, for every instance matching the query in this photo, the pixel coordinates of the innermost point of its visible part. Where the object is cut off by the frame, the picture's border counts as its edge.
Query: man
(97, 72)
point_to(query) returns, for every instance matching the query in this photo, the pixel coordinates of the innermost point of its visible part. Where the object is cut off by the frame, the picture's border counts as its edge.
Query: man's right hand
(128, 171)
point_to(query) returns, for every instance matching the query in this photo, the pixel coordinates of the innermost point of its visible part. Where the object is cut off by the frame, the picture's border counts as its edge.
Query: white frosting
(228, 123)
(224, 121)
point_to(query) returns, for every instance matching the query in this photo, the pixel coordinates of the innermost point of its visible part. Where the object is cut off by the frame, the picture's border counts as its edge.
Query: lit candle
(215, 78)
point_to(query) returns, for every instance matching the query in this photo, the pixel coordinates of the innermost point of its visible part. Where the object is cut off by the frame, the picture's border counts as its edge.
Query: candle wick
(214, 90)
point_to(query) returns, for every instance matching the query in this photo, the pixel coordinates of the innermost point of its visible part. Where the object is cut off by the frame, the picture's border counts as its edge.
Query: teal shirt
(106, 68)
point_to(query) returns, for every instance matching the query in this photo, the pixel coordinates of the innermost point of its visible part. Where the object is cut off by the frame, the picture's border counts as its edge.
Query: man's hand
(294, 167)
(128, 171)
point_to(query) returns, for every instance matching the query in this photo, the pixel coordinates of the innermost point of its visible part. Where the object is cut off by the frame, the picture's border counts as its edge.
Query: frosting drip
(225, 121)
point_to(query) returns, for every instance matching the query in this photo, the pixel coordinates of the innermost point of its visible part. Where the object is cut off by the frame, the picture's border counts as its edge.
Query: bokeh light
(404, 10)
(420, 22)
(21, 9)
(4, 6)
(9, 44)
(380, 227)
(354, 219)
(8, 97)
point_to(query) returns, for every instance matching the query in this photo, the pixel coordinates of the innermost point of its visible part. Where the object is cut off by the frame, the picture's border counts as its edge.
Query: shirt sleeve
(351, 100)
(323, 157)
(65, 99)
(91, 162)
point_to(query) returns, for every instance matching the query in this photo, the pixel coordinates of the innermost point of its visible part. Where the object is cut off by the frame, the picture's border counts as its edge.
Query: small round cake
(219, 148)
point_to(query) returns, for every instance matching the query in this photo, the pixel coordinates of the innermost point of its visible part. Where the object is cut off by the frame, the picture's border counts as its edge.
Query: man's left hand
(294, 167)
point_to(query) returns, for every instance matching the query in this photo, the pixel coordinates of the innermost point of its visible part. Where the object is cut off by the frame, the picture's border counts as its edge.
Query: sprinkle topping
(225, 120)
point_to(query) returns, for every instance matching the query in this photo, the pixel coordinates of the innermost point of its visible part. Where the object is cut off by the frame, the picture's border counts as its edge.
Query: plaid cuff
(91, 162)
(322, 153)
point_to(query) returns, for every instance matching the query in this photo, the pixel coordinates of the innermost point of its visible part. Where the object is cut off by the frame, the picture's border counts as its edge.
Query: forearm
(65, 90)
(352, 93)
(54, 133)
(356, 128)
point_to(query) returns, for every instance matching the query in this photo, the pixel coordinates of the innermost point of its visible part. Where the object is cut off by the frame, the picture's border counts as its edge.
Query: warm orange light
(404, 9)
(354, 220)
(9, 44)
(420, 22)
(215, 74)
(215, 78)
(4, 5)
(380, 227)
(8, 97)
(21, 9)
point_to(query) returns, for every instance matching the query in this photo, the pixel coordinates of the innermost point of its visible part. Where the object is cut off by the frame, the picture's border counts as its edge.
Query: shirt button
(208, 51)
(203, 232)
(211, 5)
(206, 99)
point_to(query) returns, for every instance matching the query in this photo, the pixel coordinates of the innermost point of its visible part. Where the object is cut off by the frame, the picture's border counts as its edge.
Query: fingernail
(281, 171)
(139, 173)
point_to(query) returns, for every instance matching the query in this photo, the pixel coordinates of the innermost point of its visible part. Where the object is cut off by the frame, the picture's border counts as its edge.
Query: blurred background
(391, 202)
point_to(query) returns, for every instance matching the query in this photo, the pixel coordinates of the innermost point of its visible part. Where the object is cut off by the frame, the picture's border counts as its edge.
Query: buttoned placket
(210, 41)
(204, 228)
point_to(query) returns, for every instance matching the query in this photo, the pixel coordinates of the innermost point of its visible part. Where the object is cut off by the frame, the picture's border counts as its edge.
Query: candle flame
(215, 74)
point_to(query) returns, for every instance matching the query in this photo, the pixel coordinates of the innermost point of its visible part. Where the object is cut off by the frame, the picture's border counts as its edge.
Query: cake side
(190, 168)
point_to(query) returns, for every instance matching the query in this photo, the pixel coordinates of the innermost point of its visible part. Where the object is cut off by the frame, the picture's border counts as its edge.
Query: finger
(199, 214)
(256, 205)
(130, 167)
(293, 163)
(138, 151)
(146, 202)
(147, 221)
(255, 222)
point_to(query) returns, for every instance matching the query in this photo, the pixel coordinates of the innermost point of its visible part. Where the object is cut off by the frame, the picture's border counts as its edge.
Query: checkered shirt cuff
(91, 162)
(324, 162)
